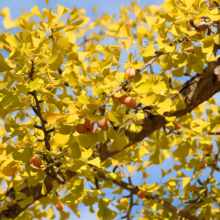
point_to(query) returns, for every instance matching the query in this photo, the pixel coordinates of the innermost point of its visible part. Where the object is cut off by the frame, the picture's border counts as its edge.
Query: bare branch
(31, 73)
(50, 131)
(202, 26)
(159, 53)
(38, 127)
(214, 133)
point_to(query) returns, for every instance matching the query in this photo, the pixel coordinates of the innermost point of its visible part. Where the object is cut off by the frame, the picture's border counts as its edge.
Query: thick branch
(14, 209)
(195, 91)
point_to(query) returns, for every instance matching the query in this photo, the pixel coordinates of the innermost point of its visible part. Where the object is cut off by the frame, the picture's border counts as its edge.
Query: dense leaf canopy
(81, 115)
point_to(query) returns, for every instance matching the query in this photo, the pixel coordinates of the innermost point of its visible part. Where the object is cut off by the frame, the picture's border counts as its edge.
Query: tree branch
(195, 91)
(202, 26)
(198, 200)
(134, 190)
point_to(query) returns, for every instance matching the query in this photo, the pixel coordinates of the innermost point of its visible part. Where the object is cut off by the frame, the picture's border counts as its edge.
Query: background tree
(79, 118)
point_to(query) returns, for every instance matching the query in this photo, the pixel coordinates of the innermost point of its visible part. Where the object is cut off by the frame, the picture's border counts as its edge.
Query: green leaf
(74, 150)
(207, 44)
(64, 215)
(120, 141)
(26, 202)
(155, 206)
(104, 213)
(20, 195)
(55, 61)
(199, 66)
(181, 59)
(23, 155)
(88, 139)
(3, 65)
(22, 88)
(50, 213)
(112, 116)
(164, 173)
(92, 117)
(156, 157)
(178, 72)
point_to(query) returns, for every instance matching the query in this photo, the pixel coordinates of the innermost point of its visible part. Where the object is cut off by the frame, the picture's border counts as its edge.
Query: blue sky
(110, 7)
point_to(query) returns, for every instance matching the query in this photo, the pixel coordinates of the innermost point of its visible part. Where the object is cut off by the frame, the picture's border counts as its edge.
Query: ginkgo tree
(80, 116)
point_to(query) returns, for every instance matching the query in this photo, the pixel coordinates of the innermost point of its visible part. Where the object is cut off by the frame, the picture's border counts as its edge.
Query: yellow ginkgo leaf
(95, 162)
(3, 65)
(125, 31)
(207, 44)
(149, 99)
(62, 10)
(2, 146)
(5, 12)
(127, 43)
(55, 61)
(75, 111)
(8, 23)
(189, 3)
(186, 181)
(36, 11)
(149, 51)
(62, 139)
(52, 118)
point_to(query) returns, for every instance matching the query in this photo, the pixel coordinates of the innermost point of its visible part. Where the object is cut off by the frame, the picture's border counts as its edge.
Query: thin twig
(214, 133)
(31, 73)
(198, 200)
(110, 95)
(96, 183)
(159, 53)
(38, 127)
(131, 202)
(135, 189)
(50, 131)
(213, 169)
(115, 168)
